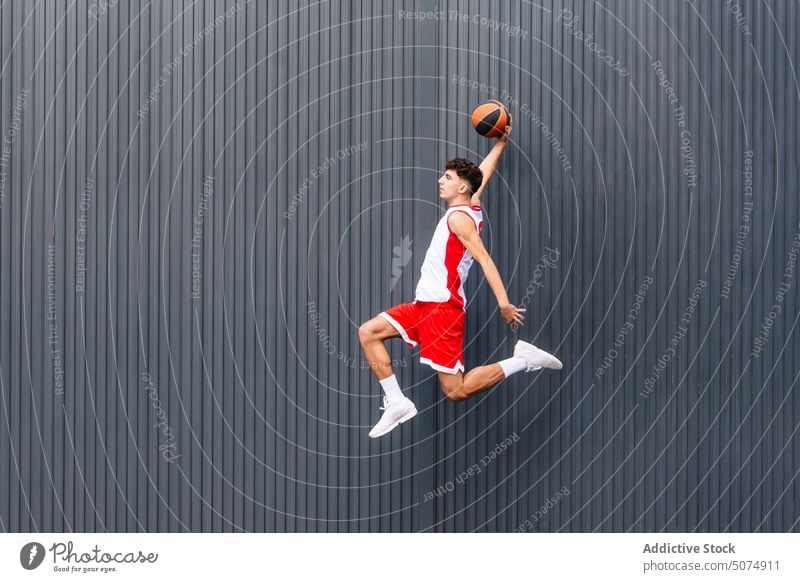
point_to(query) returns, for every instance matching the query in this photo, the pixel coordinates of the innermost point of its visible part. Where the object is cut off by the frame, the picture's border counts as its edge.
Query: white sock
(391, 388)
(513, 365)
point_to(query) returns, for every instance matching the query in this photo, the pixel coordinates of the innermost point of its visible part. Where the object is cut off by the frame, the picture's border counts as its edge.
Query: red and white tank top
(447, 262)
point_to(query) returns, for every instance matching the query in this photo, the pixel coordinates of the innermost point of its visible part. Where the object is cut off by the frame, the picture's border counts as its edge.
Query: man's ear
(463, 188)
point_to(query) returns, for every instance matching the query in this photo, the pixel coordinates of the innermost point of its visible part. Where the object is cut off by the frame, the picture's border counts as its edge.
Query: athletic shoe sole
(410, 413)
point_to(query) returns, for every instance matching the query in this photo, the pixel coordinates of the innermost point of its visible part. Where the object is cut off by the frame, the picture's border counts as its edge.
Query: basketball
(489, 119)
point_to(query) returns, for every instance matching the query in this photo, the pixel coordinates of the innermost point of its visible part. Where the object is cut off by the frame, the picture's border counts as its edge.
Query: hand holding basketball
(507, 133)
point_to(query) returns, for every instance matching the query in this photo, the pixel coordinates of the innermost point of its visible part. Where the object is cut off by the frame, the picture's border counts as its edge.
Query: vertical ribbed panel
(201, 201)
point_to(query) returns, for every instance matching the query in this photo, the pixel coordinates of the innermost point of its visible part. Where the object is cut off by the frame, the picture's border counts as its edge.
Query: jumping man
(435, 319)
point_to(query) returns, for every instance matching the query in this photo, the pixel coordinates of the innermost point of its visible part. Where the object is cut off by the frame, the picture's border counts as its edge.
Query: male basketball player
(435, 319)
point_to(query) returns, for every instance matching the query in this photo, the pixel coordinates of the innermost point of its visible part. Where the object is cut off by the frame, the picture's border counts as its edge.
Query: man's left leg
(526, 358)
(460, 386)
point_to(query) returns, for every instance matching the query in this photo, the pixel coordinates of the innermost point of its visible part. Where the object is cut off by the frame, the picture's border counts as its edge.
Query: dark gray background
(264, 406)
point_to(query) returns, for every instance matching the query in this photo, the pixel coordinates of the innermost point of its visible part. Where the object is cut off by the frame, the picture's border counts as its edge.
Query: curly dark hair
(468, 171)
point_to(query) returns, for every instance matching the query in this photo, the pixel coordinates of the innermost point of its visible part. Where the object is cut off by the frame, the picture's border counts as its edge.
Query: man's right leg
(372, 334)
(397, 408)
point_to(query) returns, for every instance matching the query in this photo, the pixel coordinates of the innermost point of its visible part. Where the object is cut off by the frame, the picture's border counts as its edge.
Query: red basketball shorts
(438, 328)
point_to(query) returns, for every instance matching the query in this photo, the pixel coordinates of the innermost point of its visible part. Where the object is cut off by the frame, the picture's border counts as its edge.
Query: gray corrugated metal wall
(200, 201)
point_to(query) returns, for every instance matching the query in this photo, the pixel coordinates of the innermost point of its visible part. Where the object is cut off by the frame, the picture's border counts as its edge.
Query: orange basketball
(489, 119)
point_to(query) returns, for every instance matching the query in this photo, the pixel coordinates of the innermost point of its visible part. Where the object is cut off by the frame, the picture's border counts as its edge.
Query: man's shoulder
(459, 222)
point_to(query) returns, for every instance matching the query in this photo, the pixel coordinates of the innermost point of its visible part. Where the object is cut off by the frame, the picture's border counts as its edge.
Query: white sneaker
(535, 357)
(394, 414)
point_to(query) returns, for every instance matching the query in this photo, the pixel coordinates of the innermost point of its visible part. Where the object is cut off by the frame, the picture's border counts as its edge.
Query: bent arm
(464, 228)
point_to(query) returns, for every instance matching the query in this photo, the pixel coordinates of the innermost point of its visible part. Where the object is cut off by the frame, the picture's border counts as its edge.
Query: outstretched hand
(513, 315)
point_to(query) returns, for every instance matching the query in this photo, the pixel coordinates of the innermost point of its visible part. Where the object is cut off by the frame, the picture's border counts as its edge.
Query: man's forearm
(495, 282)
(489, 163)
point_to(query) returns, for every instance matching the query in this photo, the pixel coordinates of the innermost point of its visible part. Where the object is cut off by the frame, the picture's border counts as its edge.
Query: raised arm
(489, 163)
(464, 228)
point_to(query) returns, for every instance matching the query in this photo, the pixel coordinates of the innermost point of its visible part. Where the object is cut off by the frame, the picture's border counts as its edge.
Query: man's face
(451, 186)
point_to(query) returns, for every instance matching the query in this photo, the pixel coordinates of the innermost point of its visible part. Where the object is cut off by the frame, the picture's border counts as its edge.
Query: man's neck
(459, 202)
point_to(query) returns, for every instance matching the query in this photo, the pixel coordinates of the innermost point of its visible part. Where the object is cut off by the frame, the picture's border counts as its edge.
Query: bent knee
(452, 390)
(365, 332)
